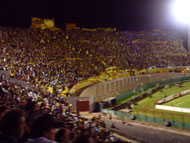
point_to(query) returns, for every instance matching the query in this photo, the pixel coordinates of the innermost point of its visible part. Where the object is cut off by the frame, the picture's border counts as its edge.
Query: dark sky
(122, 14)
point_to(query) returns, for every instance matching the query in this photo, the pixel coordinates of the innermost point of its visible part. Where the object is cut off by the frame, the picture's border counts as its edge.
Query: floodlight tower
(181, 10)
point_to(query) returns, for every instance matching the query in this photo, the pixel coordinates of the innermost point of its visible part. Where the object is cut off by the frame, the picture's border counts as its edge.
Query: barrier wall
(176, 120)
(170, 108)
(120, 86)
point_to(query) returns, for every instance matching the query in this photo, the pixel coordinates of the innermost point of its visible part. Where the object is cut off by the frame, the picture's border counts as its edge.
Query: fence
(161, 118)
(150, 85)
(107, 89)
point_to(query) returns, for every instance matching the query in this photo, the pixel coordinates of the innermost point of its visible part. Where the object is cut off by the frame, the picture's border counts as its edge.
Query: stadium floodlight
(181, 10)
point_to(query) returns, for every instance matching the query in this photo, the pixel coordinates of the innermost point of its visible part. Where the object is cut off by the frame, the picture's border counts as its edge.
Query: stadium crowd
(53, 61)
(26, 117)
(62, 58)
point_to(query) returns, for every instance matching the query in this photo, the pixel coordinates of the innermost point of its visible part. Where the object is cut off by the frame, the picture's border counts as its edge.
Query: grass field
(183, 102)
(148, 103)
(146, 106)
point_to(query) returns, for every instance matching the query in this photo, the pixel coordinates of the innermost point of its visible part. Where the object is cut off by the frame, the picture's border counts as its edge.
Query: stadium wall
(170, 108)
(120, 86)
(176, 120)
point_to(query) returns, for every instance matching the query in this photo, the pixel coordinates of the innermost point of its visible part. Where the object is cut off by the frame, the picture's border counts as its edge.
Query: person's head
(84, 139)
(31, 106)
(3, 76)
(3, 109)
(63, 136)
(13, 123)
(45, 126)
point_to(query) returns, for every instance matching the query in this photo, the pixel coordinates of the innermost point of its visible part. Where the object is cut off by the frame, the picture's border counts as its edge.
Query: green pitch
(183, 102)
(148, 103)
(146, 106)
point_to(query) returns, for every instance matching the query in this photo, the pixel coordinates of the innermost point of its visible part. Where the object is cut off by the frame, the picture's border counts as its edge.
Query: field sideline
(148, 103)
(146, 106)
(182, 102)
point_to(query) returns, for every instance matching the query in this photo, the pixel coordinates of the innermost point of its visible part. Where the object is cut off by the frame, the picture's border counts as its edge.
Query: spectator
(44, 129)
(12, 126)
(63, 136)
(3, 109)
(31, 112)
(84, 139)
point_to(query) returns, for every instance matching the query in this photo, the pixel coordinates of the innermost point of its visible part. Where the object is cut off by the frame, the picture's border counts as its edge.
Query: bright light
(181, 10)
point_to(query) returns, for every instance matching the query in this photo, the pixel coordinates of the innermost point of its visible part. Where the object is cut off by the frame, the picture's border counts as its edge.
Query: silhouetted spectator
(84, 139)
(3, 109)
(63, 136)
(12, 126)
(31, 109)
(44, 129)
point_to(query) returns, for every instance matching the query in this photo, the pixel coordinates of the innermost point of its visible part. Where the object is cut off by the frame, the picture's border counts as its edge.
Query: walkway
(13, 80)
(146, 133)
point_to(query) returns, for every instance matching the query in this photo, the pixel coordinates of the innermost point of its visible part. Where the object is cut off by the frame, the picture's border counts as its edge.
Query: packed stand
(45, 119)
(62, 58)
(53, 61)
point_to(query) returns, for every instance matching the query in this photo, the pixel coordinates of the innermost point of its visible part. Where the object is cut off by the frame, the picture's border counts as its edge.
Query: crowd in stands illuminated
(29, 117)
(40, 56)
(62, 58)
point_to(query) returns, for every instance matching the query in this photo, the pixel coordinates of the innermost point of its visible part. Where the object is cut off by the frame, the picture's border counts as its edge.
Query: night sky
(122, 14)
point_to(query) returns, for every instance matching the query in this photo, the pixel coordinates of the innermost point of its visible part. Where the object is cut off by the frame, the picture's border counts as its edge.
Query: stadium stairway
(14, 80)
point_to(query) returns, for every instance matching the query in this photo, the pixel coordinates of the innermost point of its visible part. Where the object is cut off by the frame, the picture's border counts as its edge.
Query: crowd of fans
(45, 119)
(62, 58)
(53, 61)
